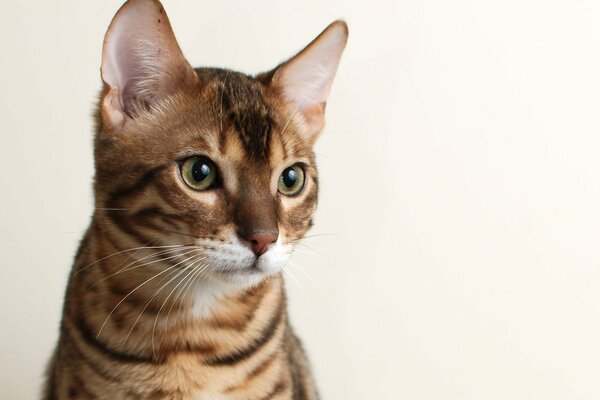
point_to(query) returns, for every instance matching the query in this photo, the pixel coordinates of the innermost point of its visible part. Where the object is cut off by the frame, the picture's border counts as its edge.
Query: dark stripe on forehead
(242, 106)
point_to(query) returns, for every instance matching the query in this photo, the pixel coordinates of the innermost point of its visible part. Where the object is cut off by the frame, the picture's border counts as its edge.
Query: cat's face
(208, 158)
(215, 168)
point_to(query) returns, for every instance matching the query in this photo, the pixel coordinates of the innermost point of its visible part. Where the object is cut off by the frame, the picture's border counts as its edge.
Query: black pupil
(200, 170)
(289, 177)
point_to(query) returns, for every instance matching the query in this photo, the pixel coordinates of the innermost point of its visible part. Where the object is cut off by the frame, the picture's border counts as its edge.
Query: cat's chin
(245, 276)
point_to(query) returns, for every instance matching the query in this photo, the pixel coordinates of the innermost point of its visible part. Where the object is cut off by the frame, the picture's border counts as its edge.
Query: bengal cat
(205, 180)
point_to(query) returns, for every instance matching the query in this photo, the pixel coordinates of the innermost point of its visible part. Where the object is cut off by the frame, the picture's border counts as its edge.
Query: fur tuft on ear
(305, 80)
(141, 61)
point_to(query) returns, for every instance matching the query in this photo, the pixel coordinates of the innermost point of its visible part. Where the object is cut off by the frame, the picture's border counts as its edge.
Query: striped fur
(154, 307)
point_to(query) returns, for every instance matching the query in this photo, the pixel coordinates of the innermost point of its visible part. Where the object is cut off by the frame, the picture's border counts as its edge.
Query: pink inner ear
(141, 58)
(112, 109)
(306, 79)
(133, 61)
(133, 25)
(315, 119)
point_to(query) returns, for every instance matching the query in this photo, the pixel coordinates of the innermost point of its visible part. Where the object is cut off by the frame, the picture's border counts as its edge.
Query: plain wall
(456, 248)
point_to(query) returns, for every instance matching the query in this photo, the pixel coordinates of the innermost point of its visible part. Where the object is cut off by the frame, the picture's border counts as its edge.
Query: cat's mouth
(238, 264)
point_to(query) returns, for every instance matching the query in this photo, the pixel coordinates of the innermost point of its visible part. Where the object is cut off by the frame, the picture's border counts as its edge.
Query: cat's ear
(141, 62)
(305, 80)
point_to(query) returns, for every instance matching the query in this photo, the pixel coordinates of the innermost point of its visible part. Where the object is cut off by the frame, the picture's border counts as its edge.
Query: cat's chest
(186, 377)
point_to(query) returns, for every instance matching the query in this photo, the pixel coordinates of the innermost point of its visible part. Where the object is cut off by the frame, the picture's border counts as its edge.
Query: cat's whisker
(133, 255)
(301, 247)
(172, 274)
(190, 271)
(305, 273)
(184, 269)
(134, 249)
(196, 269)
(186, 287)
(125, 251)
(191, 268)
(308, 253)
(131, 292)
(295, 264)
(196, 278)
(129, 267)
(162, 255)
(315, 236)
(294, 279)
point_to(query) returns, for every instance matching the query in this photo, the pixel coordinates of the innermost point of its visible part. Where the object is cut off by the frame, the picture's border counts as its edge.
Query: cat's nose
(260, 240)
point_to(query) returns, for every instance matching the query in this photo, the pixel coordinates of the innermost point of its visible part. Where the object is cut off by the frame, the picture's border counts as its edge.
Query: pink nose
(260, 241)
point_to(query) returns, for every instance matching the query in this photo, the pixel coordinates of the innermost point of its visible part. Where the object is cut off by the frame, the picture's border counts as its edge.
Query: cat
(205, 180)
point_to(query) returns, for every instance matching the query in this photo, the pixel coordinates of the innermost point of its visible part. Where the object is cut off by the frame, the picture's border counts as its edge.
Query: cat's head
(209, 158)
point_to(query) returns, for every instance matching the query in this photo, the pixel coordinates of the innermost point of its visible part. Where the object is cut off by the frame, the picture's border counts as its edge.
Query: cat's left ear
(305, 80)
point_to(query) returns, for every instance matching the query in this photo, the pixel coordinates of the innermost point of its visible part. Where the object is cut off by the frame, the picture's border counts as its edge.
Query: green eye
(199, 173)
(291, 180)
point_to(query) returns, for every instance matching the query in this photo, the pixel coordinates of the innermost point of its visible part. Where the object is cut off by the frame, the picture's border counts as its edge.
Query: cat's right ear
(141, 62)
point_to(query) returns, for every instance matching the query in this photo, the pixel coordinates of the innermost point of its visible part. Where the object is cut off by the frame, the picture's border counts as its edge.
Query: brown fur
(124, 335)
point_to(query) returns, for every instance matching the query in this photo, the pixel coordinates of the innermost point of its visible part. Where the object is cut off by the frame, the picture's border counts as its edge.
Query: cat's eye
(199, 172)
(291, 180)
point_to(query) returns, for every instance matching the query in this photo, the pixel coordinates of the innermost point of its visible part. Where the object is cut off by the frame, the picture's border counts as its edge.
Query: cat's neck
(113, 303)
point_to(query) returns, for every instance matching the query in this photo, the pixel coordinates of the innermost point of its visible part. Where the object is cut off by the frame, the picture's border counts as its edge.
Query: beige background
(460, 187)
